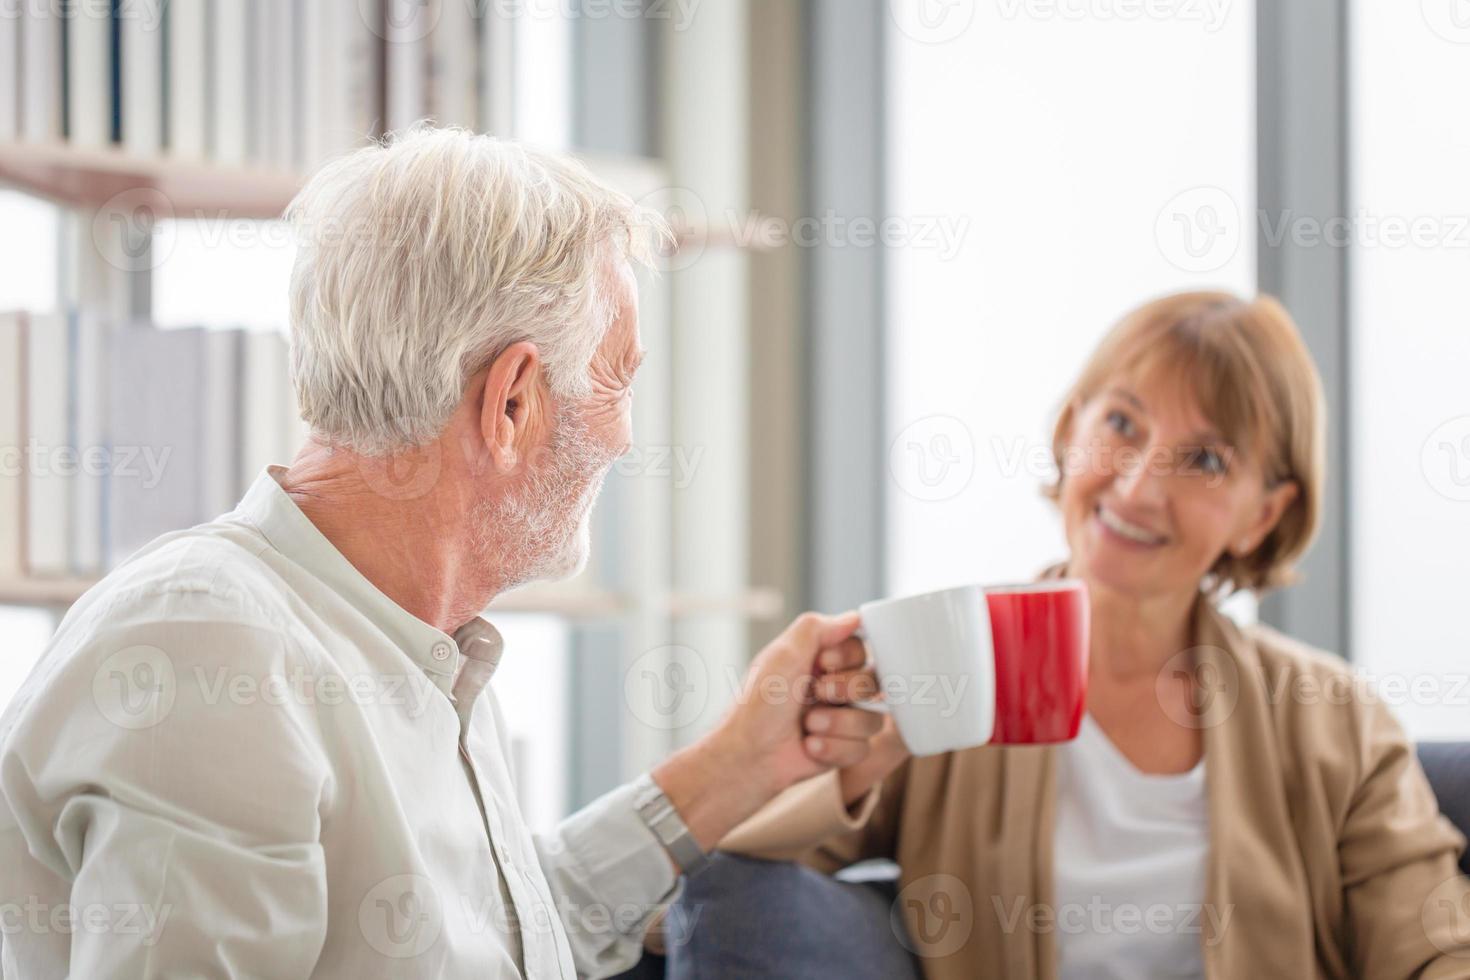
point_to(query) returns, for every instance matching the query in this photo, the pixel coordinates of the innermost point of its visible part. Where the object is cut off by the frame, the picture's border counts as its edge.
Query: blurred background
(904, 225)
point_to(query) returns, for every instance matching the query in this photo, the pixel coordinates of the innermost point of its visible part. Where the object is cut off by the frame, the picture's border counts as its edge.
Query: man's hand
(791, 719)
(791, 722)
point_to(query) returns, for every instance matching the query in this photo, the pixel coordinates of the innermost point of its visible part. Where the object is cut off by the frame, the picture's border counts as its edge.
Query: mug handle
(877, 707)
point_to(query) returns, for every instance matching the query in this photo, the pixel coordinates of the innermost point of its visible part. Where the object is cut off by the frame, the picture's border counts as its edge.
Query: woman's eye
(1120, 423)
(1207, 461)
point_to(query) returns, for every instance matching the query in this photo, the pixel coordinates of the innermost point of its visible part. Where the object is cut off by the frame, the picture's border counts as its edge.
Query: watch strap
(658, 813)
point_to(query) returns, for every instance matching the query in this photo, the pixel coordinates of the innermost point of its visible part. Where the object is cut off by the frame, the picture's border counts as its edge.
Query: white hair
(423, 257)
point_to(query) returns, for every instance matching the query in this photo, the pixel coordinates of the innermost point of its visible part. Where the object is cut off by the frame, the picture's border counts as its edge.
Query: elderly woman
(1221, 813)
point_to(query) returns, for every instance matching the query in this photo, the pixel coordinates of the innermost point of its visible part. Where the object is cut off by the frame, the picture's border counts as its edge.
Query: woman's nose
(1141, 476)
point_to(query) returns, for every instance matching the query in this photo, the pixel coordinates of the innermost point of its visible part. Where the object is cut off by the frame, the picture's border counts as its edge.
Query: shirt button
(440, 651)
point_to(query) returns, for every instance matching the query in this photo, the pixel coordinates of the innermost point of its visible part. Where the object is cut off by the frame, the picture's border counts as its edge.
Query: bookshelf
(86, 178)
(28, 591)
(570, 603)
(212, 113)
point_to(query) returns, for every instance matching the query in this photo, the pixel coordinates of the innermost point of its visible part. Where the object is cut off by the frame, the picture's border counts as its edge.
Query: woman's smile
(1117, 529)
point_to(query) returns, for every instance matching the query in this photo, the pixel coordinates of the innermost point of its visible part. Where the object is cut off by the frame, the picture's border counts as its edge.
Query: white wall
(1410, 354)
(1085, 164)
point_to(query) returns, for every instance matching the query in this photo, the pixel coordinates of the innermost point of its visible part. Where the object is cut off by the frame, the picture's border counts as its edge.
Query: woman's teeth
(1130, 531)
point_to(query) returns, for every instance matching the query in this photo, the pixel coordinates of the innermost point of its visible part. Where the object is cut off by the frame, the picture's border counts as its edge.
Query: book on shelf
(9, 78)
(221, 482)
(88, 352)
(229, 86)
(47, 412)
(408, 25)
(89, 69)
(122, 432)
(452, 95)
(273, 88)
(42, 77)
(496, 71)
(285, 66)
(155, 392)
(260, 84)
(12, 434)
(278, 84)
(189, 45)
(265, 402)
(340, 81)
(140, 76)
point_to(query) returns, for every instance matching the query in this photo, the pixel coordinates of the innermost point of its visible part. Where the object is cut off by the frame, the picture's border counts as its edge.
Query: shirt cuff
(621, 860)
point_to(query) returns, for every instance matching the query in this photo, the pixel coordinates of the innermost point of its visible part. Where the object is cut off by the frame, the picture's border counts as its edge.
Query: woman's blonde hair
(1246, 364)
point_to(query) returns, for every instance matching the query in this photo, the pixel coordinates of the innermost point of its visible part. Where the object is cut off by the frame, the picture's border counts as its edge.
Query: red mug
(982, 665)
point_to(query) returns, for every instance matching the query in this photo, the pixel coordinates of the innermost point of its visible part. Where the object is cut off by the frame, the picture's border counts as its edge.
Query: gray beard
(544, 532)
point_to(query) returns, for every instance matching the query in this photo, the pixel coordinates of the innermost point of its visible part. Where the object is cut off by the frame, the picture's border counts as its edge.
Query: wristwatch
(659, 814)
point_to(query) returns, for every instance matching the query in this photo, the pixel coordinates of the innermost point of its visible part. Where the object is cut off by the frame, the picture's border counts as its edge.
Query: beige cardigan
(1327, 849)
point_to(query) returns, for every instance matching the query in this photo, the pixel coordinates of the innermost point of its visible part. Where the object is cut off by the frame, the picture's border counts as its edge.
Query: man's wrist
(662, 818)
(714, 785)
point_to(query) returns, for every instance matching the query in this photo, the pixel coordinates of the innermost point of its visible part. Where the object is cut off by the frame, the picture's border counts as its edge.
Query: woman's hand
(886, 752)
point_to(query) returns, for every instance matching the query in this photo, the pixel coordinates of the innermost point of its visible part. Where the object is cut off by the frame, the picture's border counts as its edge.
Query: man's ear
(511, 405)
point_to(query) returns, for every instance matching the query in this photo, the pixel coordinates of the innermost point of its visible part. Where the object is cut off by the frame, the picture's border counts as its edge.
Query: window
(1047, 173)
(30, 251)
(221, 272)
(1410, 241)
(26, 632)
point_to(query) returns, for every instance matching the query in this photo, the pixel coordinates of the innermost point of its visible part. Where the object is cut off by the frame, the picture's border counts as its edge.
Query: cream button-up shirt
(238, 758)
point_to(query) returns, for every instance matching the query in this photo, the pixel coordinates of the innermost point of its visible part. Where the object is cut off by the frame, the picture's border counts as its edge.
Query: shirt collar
(481, 646)
(267, 505)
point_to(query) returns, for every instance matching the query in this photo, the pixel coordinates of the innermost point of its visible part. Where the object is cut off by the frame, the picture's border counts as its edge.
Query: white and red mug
(981, 665)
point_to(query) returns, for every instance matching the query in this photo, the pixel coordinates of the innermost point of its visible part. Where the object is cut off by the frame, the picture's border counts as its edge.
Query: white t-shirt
(1129, 862)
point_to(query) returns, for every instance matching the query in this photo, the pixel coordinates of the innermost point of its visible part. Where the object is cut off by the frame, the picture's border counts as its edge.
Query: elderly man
(268, 746)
